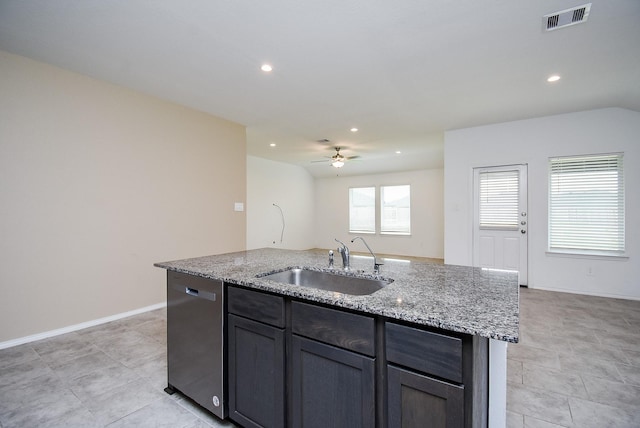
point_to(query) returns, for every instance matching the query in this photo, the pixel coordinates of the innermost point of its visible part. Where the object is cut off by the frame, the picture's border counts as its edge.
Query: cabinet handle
(191, 291)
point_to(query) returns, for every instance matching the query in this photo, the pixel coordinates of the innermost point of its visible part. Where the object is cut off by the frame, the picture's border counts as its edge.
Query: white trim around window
(587, 205)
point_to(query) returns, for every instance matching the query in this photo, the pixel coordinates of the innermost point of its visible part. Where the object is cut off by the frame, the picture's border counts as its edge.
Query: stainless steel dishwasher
(195, 340)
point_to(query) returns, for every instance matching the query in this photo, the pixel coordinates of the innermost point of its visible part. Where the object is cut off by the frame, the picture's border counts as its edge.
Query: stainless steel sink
(328, 281)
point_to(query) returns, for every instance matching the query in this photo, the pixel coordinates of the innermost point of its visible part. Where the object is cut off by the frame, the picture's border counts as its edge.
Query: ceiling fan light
(337, 163)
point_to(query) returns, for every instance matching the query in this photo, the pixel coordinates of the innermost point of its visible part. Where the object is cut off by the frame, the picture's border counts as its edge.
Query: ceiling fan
(338, 160)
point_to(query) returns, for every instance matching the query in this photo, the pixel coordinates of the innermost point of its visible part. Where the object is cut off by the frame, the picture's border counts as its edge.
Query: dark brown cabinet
(418, 401)
(435, 380)
(256, 354)
(332, 387)
(333, 382)
(298, 364)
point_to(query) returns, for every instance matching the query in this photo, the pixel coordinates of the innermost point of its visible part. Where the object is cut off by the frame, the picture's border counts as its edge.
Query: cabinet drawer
(346, 330)
(425, 351)
(257, 306)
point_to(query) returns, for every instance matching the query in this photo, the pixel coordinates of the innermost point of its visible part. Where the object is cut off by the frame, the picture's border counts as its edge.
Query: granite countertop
(456, 298)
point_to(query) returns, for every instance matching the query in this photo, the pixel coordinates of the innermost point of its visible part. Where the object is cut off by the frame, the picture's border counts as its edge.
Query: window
(586, 204)
(395, 209)
(499, 200)
(362, 210)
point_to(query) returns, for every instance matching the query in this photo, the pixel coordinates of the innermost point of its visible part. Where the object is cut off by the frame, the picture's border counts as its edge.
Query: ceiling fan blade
(337, 157)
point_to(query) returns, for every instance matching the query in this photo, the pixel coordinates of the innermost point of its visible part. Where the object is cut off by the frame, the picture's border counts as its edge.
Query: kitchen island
(470, 313)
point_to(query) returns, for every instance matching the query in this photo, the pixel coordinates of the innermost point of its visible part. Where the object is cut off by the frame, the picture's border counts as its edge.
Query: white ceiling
(401, 71)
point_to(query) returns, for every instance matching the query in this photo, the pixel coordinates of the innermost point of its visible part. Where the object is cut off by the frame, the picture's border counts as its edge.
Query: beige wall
(427, 222)
(97, 183)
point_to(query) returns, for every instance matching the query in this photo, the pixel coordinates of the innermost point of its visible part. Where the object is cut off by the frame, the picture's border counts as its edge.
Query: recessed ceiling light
(354, 129)
(272, 144)
(266, 67)
(398, 152)
(553, 78)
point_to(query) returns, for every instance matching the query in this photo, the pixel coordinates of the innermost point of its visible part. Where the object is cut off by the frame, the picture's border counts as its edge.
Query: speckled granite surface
(457, 298)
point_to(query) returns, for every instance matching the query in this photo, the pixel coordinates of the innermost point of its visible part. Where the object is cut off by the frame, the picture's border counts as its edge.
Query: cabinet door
(332, 387)
(256, 373)
(418, 401)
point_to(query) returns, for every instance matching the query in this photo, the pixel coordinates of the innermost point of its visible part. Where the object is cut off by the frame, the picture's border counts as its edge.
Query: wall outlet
(238, 206)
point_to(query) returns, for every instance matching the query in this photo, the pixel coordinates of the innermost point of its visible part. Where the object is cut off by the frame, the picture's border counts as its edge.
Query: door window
(499, 200)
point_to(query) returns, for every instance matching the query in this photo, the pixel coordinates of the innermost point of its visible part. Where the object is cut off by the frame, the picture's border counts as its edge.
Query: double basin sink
(321, 280)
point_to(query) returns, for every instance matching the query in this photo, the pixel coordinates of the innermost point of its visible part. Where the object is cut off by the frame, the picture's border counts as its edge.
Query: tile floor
(112, 375)
(577, 365)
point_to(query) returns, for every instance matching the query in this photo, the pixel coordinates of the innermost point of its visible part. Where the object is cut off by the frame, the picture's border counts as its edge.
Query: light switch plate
(238, 206)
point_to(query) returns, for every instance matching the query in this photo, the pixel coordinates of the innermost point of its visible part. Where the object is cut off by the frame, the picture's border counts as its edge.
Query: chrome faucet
(376, 265)
(344, 252)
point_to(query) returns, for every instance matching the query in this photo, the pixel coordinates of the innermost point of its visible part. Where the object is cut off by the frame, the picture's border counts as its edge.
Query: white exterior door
(500, 223)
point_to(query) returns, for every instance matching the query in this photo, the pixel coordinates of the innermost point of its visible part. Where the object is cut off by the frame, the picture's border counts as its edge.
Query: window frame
(499, 199)
(576, 213)
(399, 231)
(371, 231)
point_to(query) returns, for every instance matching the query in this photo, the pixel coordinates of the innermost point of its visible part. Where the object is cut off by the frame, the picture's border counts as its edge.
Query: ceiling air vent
(567, 17)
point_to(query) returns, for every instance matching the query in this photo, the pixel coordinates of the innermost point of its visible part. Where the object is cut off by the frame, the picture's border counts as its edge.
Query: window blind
(586, 204)
(362, 210)
(499, 199)
(395, 209)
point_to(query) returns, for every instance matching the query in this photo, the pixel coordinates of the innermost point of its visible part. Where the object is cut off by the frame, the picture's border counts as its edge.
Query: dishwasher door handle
(209, 295)
(198, 293)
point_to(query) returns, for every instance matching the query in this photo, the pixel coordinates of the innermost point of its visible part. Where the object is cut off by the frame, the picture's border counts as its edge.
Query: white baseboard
(75, 327)
(586, 293)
